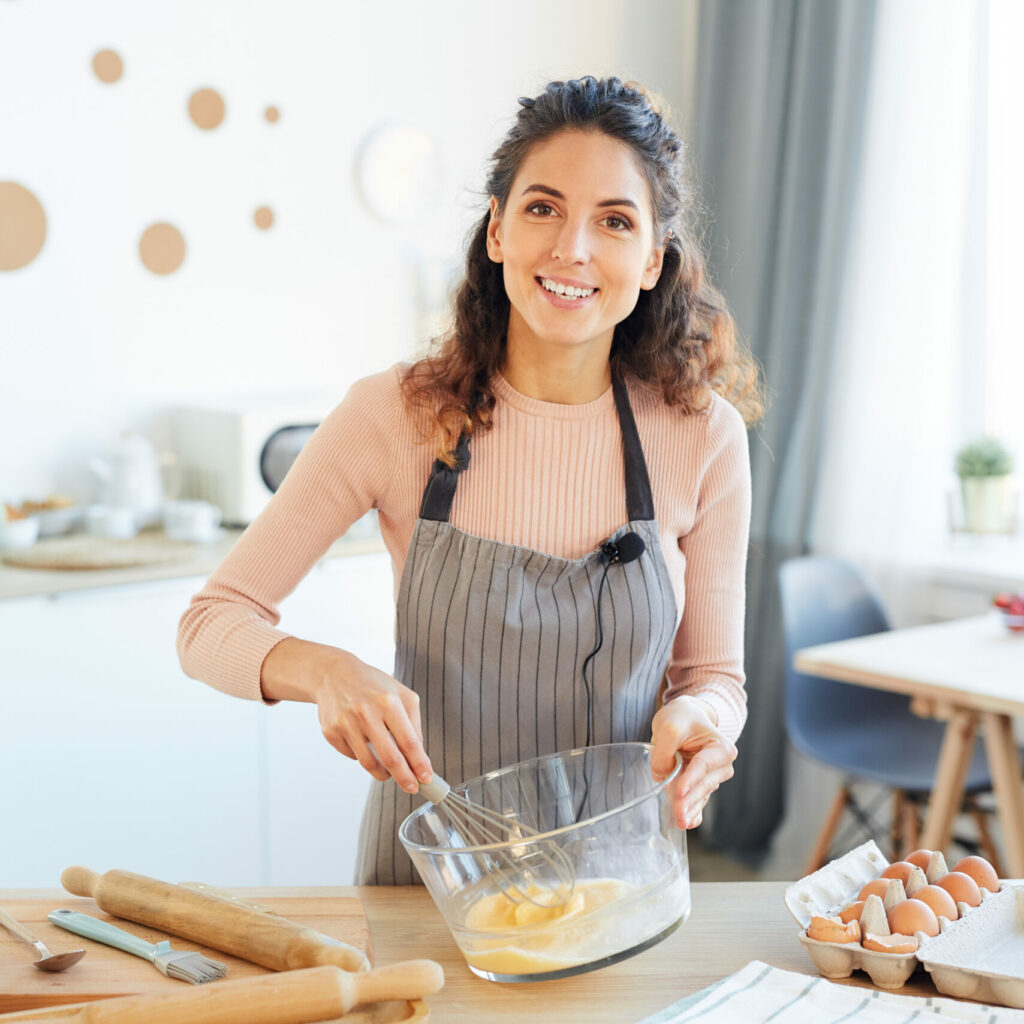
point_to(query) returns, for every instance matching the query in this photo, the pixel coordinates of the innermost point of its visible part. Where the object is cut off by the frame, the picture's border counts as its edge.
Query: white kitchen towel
(759, 993)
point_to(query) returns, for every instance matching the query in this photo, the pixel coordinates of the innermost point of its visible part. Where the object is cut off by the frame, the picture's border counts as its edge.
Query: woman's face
(575, 240)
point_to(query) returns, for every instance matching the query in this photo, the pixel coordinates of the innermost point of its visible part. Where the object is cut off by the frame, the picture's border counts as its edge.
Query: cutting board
(82, 551)
(104, 972)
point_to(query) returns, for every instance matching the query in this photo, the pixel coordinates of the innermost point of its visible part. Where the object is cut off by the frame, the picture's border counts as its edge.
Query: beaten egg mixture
(551, 939)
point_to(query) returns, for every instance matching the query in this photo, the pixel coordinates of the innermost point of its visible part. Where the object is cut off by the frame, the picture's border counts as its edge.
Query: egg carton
(979, 956)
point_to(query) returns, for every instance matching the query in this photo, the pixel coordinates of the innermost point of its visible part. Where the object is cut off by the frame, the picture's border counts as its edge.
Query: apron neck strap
(639, 501)
(440, 490)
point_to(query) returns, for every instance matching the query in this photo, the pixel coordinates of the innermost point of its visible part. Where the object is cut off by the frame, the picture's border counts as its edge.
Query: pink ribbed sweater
(546, 476)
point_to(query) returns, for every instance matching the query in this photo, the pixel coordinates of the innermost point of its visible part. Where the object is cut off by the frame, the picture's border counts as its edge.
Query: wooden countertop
(731, 924)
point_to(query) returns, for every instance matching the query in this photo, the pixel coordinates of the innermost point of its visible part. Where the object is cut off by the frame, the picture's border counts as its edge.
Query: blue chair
(869, 735)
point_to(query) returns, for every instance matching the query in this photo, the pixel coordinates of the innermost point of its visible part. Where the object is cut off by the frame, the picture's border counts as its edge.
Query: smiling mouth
(565, 291)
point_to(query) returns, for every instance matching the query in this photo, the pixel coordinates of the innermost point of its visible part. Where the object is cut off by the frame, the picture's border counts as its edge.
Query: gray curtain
(777, 139)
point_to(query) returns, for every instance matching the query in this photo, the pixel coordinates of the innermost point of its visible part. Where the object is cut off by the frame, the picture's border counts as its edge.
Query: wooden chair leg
(896, 826)
(985, 836)
(911, 828)
(828, 830)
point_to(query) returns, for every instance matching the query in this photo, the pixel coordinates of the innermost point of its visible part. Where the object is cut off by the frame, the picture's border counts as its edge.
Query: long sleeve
(707, 656)
(343, 471)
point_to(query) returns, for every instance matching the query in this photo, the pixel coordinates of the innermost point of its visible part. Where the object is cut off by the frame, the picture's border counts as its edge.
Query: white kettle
(130, 477)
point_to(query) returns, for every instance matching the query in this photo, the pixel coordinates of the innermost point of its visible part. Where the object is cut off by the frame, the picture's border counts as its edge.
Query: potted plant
(983, 467)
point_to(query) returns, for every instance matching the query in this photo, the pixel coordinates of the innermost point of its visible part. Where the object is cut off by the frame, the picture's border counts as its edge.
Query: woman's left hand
(684, 724)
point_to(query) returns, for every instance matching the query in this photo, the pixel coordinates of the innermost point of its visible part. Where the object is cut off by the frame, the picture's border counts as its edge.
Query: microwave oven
(235, 454)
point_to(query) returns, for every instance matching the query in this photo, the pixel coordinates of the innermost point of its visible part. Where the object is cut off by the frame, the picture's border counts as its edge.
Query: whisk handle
(435, 790)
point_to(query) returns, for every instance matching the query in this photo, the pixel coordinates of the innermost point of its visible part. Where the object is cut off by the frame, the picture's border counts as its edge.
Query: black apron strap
(639, 501)
(440, 490)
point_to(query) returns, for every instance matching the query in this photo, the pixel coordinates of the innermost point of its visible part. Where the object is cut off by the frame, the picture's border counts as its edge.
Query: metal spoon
(50, 961)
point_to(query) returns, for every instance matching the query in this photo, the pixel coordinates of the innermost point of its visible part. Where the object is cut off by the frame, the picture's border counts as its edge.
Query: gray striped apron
(494, 637)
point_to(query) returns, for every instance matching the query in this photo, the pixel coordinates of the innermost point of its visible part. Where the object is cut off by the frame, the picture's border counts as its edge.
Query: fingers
(375, 720)
(704, 773)
(399, 748)
(663, 760)
(683, 725)
(411, 703)
(367, 757)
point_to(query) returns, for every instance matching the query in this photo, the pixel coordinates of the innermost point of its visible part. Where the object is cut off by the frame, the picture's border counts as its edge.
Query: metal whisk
(540, 873)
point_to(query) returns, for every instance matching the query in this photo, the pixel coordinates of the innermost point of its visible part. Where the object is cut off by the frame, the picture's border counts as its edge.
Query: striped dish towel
(760, 993)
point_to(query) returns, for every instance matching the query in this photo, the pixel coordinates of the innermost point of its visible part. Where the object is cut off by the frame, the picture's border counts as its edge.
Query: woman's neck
(565, 375)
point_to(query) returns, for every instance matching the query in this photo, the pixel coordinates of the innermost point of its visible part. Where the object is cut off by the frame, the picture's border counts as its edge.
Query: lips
(566, 284)
(565, 293)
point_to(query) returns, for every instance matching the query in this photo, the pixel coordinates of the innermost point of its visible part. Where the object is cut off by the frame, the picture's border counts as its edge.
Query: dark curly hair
(679, 337)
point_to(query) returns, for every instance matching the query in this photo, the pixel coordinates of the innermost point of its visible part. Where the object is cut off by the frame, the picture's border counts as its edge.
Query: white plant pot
(985, 504)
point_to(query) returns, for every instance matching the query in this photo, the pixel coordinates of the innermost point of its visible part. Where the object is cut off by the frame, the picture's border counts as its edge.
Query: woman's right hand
(364, 713)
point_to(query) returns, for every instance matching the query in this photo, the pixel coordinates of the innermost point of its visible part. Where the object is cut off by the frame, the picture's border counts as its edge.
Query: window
(1004, 262)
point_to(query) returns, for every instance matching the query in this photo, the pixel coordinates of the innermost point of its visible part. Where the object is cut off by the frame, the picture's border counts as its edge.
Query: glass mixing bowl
(604, 877)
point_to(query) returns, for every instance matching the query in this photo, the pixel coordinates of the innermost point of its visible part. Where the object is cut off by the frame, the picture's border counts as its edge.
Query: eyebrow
(548, 191)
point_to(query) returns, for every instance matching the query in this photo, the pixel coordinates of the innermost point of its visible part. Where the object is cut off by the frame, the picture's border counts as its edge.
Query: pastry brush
(180, 964)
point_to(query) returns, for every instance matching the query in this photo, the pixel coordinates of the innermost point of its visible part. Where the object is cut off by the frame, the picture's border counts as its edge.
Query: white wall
(92, 342)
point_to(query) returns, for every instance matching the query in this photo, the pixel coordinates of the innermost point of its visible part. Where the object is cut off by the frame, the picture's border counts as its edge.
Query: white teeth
(570, 291)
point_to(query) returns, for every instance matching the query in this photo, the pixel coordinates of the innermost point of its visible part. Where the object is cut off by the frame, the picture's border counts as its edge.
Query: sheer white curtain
(1004, 405)
(909, 382)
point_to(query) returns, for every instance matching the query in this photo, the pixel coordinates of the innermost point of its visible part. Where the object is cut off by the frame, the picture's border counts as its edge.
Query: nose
(571, 243)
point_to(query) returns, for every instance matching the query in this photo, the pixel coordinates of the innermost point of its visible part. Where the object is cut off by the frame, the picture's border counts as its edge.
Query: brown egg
(831, 929)
(876, 887)
(891, 943)
(920, 858)
(913, 916)
(938, 899)
(852, 912)
(961, 887)
(899, 869)
(981, 871)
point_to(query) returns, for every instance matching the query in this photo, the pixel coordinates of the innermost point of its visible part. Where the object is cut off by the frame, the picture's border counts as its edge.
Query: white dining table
(969, 672)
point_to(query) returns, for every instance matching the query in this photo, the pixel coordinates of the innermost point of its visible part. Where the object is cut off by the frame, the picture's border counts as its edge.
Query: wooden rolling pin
(295, 997)
(263, 939)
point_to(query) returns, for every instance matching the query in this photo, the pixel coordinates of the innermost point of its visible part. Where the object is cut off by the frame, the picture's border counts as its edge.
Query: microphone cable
(629, 547)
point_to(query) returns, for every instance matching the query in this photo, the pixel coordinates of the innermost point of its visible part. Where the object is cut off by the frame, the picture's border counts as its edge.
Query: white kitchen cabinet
(111, 757)
(315, 795)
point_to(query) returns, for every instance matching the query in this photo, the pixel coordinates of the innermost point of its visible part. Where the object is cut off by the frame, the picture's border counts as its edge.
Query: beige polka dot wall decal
(264, 217)
(107, 66)
(22, 226)
(272, 114)
(162, 248)
(206, 108)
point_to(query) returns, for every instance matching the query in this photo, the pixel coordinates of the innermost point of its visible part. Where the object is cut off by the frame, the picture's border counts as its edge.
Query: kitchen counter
(731, 924)
(16, 582)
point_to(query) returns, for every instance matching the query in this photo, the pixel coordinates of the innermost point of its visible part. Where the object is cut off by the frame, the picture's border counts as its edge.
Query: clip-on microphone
(628, 548)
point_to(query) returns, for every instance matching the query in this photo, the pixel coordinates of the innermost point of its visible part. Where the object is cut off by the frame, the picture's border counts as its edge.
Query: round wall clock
(399, 172)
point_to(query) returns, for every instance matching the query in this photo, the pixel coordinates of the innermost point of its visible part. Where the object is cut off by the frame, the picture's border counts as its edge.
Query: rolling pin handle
(409, 979)
(80, 881)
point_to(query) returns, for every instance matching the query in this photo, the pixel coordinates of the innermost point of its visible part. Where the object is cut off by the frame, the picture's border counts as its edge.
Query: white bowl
(55, 521)
(196, 521)
(116, 522)
(16, 534)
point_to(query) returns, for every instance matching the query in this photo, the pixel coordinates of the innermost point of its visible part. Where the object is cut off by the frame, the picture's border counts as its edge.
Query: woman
(541, 569)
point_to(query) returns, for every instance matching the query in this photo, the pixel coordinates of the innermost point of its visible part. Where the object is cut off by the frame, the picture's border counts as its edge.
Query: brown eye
(617, 223)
